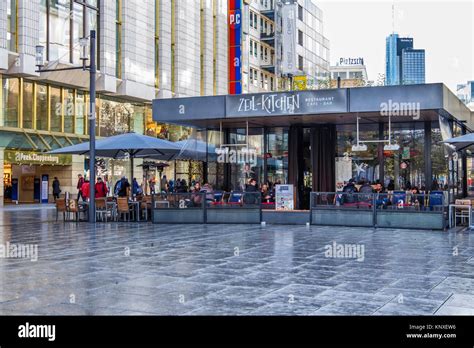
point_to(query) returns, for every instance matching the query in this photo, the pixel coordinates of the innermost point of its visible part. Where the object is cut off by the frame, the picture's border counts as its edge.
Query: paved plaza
(146, 269)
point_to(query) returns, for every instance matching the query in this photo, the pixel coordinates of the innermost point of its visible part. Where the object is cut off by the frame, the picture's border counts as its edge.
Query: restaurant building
(316, 138)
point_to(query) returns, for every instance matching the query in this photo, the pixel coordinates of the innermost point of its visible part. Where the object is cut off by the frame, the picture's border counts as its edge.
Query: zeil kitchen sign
(28, 157)
(303, 102)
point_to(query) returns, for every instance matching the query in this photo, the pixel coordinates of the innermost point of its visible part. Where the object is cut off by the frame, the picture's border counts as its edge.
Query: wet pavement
(145, 269)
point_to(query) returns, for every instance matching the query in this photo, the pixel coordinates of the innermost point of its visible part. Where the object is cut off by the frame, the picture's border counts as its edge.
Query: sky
(444, 29)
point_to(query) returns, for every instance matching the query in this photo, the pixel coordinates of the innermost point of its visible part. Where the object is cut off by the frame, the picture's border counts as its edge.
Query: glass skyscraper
(404, 64)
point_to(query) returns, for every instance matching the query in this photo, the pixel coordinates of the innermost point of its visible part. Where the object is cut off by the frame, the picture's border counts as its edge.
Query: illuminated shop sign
(27, 157)
(235, 46)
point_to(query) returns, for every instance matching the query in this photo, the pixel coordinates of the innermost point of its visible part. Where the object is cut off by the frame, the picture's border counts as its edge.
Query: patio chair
(436, 200)
(235, 197)
(461, 212)
(123, 208)
(399, 198)
(74, 209)
(101, 209)
(145, 204)
(61, 208)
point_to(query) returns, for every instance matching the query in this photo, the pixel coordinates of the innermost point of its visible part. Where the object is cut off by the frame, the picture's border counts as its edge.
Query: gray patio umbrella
(461, 142)
(125, 145)
(193, 149)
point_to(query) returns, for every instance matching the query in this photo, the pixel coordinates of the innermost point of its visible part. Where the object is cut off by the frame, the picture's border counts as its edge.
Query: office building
(145, 49)
(465, 93)
(403, 64)
(266, 61)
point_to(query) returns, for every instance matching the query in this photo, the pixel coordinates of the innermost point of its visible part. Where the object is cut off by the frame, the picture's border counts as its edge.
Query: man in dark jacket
(56, 188)
(348, 191)
(251, 190)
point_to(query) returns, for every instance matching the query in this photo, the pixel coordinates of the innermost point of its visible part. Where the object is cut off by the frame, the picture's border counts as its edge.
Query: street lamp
(40, 63)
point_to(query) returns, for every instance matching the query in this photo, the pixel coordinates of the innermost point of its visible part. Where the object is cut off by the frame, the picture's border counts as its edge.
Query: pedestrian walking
(56, 188)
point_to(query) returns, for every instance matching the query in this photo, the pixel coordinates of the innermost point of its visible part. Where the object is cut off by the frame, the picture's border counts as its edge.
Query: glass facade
(60, 109)
(413, 66)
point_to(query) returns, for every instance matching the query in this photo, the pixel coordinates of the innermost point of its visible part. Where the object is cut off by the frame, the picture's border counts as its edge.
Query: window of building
(10, 93)
(300, 37)
(262, 82)
(251, 47)
(12, 25)
(251, 19)
(300, 12)
(56, 109)
(28, 98)
(300, 62)
(266, 53)
(271, 83)
(80, 113)
(62, 23)
(255, 21)
(157, 44)
(68, 110)
(261, 52)
(261, 24)
(255, 51)
(41, 107)
(251, 75)
(255, 74)
(118, 40)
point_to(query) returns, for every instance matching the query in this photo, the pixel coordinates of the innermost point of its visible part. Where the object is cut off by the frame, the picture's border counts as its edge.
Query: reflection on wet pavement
(128, 269)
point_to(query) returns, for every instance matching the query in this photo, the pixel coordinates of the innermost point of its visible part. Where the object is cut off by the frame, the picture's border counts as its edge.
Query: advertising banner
(288, 39)
(234, 21)
(44, 188)
(284, 197)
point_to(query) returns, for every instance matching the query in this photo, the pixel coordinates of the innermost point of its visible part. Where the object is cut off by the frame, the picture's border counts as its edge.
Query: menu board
(284, 197)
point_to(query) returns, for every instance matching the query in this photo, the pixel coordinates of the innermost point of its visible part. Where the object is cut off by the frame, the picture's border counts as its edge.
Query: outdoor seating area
(396, 209)
(107, 209)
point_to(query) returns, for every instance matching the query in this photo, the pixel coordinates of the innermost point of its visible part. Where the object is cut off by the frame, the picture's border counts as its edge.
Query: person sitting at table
(196, 196)
(100, 188)
(415, 198)
(122, 187)
(267, 196)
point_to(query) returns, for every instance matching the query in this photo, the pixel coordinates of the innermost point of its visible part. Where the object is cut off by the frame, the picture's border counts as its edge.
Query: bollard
(263, 223)
(307, 225)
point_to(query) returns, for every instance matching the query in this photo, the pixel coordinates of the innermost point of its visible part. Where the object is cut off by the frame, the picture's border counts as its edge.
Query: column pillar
(2, 149)
(427, 156)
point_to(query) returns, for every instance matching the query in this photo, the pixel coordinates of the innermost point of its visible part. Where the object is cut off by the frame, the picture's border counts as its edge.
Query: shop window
(28, 105)
(10, 95)
(406, 167)
(360, 166)
(277, 155)
(41, 107)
